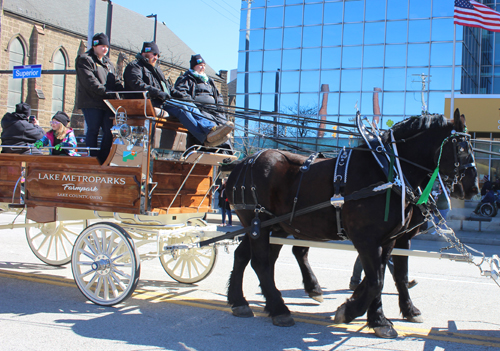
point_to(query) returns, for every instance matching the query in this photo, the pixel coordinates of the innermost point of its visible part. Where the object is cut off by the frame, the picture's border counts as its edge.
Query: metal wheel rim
(105, 264)
(189, 265)
(487, 210)
(53, 242)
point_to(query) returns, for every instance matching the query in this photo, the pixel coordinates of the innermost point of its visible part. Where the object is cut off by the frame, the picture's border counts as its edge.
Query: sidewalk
(470, 234)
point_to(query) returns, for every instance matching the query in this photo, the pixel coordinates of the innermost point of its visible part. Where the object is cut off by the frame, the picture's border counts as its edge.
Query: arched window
(58, 82)
(15, 88)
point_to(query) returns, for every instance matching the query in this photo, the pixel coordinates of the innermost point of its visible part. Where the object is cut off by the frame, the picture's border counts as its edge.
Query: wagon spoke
(89, 255)
(92, 281)
(118, 281)
(90, 246)
(98, 286)
(123, 274)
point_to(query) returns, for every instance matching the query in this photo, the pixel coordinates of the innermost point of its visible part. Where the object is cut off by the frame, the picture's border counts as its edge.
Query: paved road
(41, 308)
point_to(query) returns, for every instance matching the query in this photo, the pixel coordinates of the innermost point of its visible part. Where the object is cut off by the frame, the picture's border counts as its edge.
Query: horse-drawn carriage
(151, 189)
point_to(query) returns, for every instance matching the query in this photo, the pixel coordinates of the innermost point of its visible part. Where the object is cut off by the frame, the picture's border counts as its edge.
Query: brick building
(54, 32)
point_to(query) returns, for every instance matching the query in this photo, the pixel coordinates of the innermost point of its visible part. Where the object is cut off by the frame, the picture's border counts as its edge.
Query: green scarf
(201, 76)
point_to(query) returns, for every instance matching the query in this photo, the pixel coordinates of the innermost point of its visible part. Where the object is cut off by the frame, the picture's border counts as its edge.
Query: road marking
(357, 327)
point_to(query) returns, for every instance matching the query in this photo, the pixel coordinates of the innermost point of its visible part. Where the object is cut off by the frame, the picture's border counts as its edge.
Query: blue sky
(209, 27)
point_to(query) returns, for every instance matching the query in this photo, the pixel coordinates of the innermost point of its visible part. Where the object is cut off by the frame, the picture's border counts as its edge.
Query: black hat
(100, 39)
(150, 47)
(196, 60)
(23, 108)
(61, 117)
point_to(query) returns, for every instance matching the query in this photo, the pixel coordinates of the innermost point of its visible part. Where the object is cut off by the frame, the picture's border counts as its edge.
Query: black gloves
(164, 96)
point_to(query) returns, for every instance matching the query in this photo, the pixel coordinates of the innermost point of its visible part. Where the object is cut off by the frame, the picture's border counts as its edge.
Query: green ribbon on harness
(425, 194)
(390, 177)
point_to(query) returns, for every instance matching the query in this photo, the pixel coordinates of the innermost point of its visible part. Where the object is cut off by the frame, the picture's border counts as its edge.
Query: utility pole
(247, 57)
(90, 28)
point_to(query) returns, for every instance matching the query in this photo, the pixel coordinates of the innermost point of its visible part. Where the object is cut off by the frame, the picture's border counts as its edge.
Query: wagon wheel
(52, 242)
(188, 265)
(488, 210)
(105, 264)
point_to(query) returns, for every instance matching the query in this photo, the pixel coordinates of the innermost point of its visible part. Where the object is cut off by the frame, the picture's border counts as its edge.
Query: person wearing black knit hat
(150, 47)
(142, 75)
(60, 137)
(96, 77)
(196, 60)
(195, 85)
(17, 130)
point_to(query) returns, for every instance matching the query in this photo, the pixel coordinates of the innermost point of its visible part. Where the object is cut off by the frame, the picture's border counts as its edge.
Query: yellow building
(482, 114)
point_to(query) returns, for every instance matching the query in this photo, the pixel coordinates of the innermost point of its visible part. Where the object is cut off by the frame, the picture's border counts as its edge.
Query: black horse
(270, 182)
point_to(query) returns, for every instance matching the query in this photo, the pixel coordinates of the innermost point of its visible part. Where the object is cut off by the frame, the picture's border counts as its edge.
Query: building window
(58, 82)
(15, 88)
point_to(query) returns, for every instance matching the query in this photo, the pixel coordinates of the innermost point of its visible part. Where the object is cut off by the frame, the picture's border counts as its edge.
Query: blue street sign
(27, 71)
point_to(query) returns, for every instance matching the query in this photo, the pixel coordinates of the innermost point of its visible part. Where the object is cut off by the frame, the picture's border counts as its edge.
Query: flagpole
(452, 100)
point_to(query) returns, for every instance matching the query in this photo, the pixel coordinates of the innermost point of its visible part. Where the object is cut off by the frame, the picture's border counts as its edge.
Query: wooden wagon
(149, 194)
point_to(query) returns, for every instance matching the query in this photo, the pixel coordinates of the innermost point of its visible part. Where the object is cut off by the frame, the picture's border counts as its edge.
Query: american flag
(470, 13)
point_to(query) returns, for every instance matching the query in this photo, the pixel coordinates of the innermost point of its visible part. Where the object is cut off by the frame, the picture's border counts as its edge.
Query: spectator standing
(224, 204)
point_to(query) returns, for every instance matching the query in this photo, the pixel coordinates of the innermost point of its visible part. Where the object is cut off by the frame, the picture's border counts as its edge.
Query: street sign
(27, 71)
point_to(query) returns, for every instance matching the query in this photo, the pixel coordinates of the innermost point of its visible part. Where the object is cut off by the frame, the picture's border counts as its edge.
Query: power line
(219, 12)
(237, 10)
(226, 9)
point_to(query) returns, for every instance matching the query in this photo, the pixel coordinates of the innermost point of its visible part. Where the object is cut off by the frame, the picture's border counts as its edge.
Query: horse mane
(412, 125)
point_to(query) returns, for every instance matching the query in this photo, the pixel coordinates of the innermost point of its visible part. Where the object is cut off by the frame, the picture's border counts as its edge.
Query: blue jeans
(224, 210)
(358, 269)
(96, 119)
(190, 117)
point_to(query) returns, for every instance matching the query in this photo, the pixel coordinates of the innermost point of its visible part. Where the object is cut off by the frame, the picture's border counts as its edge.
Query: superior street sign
(27, 71)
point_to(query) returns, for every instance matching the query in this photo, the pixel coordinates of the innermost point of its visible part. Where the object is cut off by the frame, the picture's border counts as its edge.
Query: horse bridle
(462, 153)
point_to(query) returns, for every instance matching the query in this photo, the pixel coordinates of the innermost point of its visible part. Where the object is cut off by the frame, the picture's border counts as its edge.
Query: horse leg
(375, 315)
(367, 297)
(235, 297)
(311, 285)
(263, 266)
(408, 310)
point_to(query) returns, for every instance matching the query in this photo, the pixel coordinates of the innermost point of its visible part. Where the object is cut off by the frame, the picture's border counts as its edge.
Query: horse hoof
(284, 320)
(415, 319)
(242, 311)
(340, 315)
(387, 332)
(316, 297)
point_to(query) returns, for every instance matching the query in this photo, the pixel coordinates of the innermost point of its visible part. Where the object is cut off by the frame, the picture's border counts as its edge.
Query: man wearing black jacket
(142, 75)
(18, 130)
(96, 76)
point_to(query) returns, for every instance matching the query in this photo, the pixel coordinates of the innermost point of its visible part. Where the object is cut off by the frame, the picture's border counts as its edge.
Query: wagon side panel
(100, 188)
(191, 193)
(10, 173)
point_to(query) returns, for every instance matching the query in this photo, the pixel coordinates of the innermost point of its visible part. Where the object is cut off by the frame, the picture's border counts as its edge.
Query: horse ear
(459, 121)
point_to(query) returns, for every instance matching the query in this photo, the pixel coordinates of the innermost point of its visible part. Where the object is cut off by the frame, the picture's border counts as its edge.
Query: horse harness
(382, 153)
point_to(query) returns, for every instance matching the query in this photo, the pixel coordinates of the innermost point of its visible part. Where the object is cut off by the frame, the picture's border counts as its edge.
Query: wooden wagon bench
(470, 218)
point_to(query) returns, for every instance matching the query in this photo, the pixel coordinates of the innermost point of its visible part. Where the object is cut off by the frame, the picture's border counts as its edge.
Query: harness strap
(303, 169)
(369, 191)
(339, 180)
